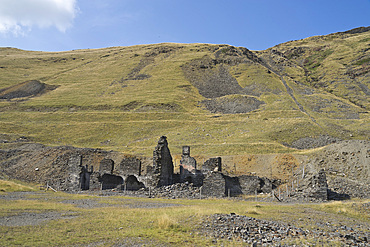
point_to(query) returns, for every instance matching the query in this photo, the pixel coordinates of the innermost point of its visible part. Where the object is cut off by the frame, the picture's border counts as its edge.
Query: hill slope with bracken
(220, 99)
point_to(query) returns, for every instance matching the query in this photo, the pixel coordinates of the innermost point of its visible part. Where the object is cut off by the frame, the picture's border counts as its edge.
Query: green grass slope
(219, 99)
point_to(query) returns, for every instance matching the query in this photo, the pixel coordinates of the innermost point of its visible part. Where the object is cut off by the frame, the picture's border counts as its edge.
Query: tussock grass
(13, 186)
(165, 222)
(349, 209)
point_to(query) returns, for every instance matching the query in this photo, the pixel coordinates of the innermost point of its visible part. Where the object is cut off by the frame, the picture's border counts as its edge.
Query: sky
(61, 25)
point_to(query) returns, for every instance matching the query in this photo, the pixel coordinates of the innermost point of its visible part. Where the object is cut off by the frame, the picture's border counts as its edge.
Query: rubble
(270, 233)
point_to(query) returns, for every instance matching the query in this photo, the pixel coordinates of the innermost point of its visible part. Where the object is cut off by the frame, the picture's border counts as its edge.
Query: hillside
(219, 99)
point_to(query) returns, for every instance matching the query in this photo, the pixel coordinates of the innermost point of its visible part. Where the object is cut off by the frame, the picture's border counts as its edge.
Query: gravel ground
(271, 233)
(35, 218)
(32, 219)
(130, 203)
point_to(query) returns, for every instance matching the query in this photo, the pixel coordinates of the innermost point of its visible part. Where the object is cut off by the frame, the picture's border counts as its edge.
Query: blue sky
(59, 25)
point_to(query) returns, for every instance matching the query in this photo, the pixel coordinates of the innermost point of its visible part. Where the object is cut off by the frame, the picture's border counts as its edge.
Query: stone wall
(162, 163)
(313, 185)
(214, 185)
(250, 184)
(129, 166)
(213, 164)
(106, 166)
(74, 171)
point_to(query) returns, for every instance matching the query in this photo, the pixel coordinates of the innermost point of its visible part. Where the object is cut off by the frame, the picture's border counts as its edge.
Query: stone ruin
(75, 169)
(312, 186)
(129, 175)
(188, 169)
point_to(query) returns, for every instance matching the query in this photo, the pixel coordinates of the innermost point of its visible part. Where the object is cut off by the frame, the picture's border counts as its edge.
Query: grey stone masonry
(162, 163)
(187, 162)
(129, 166)
(214, 185)
(74, 168)
(106, 166)
(213, 164)
(313, 186)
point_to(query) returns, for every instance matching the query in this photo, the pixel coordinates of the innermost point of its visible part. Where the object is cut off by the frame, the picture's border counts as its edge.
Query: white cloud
(19, 16)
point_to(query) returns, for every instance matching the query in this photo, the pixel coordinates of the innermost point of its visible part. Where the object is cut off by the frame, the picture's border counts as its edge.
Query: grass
(173, 225)
(14, 186)
(349, 209)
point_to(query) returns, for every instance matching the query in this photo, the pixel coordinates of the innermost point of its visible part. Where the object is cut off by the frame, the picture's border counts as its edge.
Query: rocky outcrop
(25, 89)
(232, 105)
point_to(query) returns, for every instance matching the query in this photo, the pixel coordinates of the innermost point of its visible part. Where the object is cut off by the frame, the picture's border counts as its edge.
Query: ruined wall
(213, 164)
(313, 185)
(214, 185)
(162, 163)
(63, 168)
(187, 162)
(249, 184)
(252, 184)
(106, 166)
(129, 166)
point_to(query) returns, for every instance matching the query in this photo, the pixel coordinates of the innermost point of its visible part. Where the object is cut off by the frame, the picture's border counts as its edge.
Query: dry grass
(13, 186)
(94, 103)
(170, 225)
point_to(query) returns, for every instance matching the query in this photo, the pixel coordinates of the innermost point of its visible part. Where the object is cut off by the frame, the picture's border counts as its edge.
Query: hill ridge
(123, 98)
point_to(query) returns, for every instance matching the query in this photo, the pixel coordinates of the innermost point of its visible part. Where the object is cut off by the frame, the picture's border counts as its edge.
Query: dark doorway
(133, 184)
(109, 181)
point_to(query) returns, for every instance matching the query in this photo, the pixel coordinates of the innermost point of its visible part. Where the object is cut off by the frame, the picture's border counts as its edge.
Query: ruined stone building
(129, 174)
(73, 169)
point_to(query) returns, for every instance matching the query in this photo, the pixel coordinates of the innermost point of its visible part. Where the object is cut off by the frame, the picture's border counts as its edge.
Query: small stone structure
(315, 186)
(188, 169)
(312, 186)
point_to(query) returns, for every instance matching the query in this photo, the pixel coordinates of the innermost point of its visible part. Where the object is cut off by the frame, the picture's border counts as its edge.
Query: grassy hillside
(219, 99)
